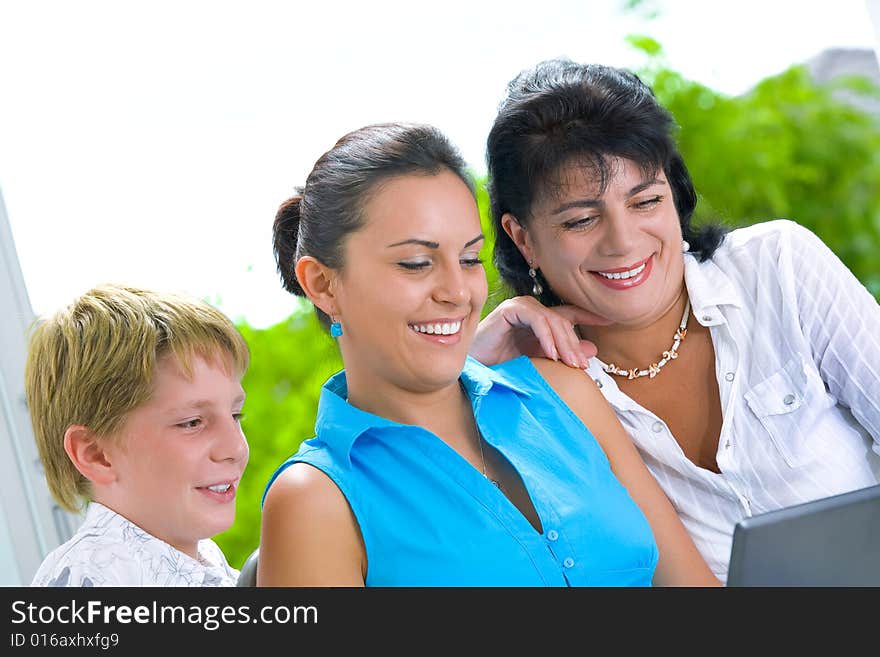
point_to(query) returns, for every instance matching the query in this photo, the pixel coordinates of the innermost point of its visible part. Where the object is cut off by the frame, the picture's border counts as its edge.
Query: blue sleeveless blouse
(428, 518)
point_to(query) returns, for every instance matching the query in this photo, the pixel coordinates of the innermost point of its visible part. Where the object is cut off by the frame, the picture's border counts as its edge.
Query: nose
(230, 443)
(451, 287)
(617, 239)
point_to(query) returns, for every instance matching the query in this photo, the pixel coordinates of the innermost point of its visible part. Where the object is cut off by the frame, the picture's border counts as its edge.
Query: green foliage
(788, 148)
(289, 363)
(498, 291)
(646, 44)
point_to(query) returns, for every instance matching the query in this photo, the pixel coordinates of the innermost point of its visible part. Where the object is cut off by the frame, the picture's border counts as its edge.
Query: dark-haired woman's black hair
(329, 207)
(561, 113)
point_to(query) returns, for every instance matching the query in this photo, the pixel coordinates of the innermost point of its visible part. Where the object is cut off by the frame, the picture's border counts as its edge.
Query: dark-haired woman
(428, 468)
(745, 366)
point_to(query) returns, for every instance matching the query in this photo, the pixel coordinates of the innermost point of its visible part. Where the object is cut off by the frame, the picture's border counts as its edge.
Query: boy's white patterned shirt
(109, 550)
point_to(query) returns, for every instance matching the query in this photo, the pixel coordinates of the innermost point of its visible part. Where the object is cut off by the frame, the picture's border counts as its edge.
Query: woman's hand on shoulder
(524, 326)
(309, 535)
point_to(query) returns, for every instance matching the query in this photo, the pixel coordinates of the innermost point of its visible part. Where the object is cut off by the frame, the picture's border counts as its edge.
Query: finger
(554, 332)
(528, 313)
(544, 334)
(583, 350)
(588, 350)
(523, 311)
(553, 328)
(566, 341)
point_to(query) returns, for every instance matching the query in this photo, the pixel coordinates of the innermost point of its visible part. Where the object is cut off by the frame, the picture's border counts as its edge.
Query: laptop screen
(834, 541)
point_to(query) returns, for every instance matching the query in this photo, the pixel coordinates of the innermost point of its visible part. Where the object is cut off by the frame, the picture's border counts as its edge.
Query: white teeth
(623, 274)
(219, 488)
(446, 328)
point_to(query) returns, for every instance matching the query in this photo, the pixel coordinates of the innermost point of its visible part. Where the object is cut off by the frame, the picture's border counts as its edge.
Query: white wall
(31, 523)
(874, 13)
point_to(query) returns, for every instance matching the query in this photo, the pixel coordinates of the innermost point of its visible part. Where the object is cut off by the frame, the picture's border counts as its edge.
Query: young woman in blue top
(428, 468)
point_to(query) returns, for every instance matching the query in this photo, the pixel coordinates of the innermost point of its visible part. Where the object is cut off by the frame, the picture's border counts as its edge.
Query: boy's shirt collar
(210, 569)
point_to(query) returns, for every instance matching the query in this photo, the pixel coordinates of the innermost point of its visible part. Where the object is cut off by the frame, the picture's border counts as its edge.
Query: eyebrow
(433, 245)
(205, 403)
(598, 203)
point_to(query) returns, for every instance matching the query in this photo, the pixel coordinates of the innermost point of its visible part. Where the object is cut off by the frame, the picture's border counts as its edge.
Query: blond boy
(135, 400)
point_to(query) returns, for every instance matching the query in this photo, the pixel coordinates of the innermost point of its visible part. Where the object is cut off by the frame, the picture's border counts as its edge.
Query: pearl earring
(536, 286)
(685, 246)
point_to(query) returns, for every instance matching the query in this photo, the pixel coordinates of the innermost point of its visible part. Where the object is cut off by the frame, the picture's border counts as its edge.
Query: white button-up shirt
(797, 359)
(109, 550)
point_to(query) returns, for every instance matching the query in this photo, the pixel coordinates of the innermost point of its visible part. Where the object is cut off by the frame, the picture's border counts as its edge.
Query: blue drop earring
(335, 329)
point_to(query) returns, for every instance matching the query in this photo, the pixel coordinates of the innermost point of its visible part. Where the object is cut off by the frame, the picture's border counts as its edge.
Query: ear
(88, 455)
(318, 281)
(519, 235)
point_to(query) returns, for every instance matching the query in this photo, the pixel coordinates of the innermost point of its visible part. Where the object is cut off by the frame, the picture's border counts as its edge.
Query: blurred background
(151, 143)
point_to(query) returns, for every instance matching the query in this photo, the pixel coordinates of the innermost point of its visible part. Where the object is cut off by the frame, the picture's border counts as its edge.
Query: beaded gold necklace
(671, 354)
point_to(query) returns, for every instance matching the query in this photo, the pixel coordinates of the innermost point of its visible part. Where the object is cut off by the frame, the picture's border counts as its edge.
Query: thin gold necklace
(483, 461)
(654, 368)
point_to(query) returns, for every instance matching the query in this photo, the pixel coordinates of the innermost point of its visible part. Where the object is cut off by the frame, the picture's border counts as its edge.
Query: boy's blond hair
(93, 362)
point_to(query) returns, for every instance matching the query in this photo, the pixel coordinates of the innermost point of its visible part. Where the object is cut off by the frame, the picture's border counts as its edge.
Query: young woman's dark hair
(561, 113)
(317, 220)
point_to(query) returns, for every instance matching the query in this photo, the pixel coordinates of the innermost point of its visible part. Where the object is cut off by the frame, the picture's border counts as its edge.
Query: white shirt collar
(708, 288)
(210, 569)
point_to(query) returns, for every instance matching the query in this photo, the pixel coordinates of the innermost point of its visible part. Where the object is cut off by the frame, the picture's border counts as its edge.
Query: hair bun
(285, 238)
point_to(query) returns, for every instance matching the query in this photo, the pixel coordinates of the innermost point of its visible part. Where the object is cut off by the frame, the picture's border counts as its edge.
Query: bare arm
(309, 535)
(680, 562)
(523, 326)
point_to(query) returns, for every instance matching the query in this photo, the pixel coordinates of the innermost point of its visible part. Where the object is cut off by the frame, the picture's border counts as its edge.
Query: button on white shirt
(797, 344)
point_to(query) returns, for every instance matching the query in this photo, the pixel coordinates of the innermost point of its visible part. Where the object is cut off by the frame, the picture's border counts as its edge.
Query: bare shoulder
(580, 393)
(303, 488)
(569, 383)
(306, 514)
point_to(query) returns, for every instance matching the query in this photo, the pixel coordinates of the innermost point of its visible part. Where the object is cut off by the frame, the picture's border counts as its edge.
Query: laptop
(834, 541)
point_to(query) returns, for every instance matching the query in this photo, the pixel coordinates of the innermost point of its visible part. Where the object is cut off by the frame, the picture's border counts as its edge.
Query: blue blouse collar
(339, 424)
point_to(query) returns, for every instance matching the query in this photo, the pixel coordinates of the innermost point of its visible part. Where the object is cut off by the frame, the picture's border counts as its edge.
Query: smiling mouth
(623, 273)
(438, 328)
(220, 487)
(618, 275)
